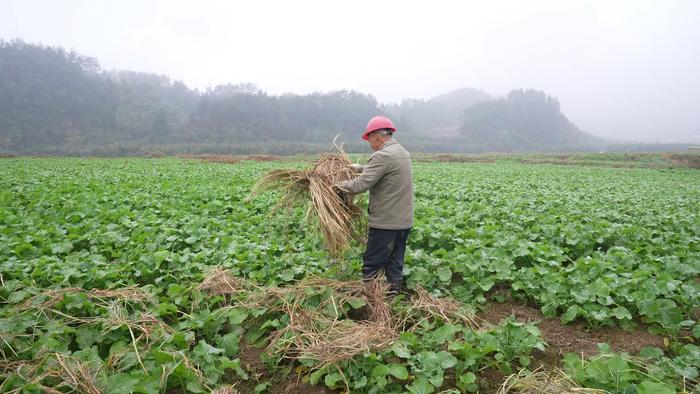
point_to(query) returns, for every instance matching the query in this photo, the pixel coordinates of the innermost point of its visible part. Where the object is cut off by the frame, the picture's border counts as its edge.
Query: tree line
(62, 102)
(53, 98)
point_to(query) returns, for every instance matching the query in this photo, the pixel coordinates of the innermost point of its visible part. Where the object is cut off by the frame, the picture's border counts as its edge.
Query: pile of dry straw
(337, 214)
(329, 338)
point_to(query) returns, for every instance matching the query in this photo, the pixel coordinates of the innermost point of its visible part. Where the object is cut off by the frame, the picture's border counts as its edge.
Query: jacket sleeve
(371, 174)
(358, 168)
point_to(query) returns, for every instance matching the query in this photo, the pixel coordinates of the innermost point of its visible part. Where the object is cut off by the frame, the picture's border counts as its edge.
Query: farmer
(389, 179)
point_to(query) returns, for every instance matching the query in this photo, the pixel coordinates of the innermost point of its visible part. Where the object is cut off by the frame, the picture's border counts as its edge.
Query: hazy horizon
(623, 70)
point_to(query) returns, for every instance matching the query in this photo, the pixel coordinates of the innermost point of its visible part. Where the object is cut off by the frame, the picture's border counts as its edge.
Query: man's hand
(356, 167)
(340, 192)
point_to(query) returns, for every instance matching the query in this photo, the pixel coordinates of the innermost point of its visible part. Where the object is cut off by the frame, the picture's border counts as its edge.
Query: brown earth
(250, 358)
(684, 159)
(635, 160)
(451, 158)
(561, 339)
(573, 337)
(490, 380)
(582, 163)
(252, 362)
(231, 159)
(295, 385)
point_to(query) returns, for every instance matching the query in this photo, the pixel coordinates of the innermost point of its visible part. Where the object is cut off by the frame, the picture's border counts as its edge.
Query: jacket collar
(390, 141)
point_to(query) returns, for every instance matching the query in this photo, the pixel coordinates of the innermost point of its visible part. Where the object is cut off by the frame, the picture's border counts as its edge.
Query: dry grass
(57, 373)
(324, 333)
(447, 309)
(331, 339)
(143, 327)
(225, 390)
(63, 371)
(690, 160)
(379, 310)
(231, 159)
(373, 293)
(337, 214)
(221, 281)
(541, 381)
(78, 375)
(340, 341)
(456, 158)
(50, 298)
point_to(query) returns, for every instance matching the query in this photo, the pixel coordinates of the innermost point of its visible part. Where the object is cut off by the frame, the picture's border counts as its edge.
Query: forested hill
(439, 116)
(61, 102)
(523, 120)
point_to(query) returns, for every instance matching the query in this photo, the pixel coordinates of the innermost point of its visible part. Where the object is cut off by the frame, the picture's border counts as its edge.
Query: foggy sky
(621, 69)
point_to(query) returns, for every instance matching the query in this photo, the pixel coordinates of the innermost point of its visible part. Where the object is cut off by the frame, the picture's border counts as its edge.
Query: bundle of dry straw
(337, 213)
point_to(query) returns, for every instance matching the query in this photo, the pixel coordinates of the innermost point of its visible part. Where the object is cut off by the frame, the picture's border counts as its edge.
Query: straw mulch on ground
(53, 372)
(323, 330)
(63, 371)
(542, 381)
(50, 298)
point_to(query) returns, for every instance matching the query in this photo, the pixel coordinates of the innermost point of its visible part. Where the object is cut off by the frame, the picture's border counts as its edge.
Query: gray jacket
(389, 179)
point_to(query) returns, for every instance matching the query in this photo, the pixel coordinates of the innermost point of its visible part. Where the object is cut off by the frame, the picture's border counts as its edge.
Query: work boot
(394, 287)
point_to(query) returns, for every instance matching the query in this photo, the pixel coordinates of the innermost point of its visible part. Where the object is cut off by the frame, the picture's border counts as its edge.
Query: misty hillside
(523, 120)
(438, 116)
(60, 102)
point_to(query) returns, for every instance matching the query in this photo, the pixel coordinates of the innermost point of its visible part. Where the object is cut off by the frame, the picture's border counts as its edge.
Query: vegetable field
(163, 276)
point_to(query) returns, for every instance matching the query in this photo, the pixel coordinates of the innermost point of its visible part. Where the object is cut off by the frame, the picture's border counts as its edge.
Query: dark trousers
(385, 251)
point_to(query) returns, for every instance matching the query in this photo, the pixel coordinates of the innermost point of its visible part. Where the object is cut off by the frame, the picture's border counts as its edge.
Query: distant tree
(151, 105)
(234, 89)
(244, 112)
(58, 101)
(48, 92)
(524, 119)
(440, 114)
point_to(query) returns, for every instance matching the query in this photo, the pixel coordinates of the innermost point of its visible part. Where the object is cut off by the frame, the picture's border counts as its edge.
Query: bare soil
(232, 159)
(251, 360)
(490, 380)
(573, 337)
(452, 158)
(295, 385)
(561, 338)
(684, 159)
(250, 357)
(630, 160)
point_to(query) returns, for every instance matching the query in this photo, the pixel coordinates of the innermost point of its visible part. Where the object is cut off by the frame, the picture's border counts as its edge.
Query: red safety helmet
(378, 123)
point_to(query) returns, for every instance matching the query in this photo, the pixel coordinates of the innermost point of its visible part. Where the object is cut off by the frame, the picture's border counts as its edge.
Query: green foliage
(599, 246)
(523, 120)
(651, 372)
(608, 247)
